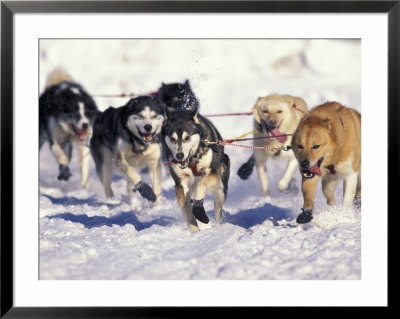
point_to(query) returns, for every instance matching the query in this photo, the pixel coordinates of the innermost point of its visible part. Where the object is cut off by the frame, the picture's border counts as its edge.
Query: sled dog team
(166, 127)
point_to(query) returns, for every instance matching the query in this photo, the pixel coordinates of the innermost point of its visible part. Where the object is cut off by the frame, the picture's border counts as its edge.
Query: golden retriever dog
(275, 117)
(327, 144)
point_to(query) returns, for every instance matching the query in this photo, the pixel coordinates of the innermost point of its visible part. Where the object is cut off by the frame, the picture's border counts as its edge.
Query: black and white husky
(128, 138)
(66, 115)
(195, 166)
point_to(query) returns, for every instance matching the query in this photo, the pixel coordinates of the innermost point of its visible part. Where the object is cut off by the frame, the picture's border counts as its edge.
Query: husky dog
(129, 138)
(66, 115)
(177, 96)
(327, 144)
(275, 116)
(195, 166)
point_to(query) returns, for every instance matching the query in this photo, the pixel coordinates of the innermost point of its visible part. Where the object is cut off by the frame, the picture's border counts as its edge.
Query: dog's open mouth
(184, 164)
(275, 133)
(82, 134)
(312, 171)
(147, 137)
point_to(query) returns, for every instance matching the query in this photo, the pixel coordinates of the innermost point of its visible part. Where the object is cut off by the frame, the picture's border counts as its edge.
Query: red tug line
(226, 142)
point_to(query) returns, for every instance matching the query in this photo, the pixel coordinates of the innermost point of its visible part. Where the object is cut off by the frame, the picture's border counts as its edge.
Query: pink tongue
(82, 134)
(316, 170)
(276, 133)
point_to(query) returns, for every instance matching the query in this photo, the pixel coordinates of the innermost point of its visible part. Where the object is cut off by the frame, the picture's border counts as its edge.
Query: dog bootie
(65, 173)
(246, 169)
(199, 212)
(305, 216)
(146, 191)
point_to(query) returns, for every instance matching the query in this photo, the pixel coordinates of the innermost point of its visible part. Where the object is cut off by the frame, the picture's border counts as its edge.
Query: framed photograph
(150, 155)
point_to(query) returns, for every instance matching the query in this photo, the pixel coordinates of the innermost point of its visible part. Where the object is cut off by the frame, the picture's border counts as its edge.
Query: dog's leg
(219, 200)
(349, 188)
(329, 184)
(42, 138)
(84, 161)
(246, 169)
(287, 176)
(358, 190)
(62, 160)
(199, 193)
(155, 177)
(133, 176)
(262, 175)
(357, 198)
(183, 198)
(309, 188)
(106, 171)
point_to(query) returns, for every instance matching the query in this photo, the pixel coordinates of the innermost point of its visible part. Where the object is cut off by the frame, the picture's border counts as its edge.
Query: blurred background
(226, 75)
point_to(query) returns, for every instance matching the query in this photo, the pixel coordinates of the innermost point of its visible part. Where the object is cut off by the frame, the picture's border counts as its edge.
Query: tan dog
(275, 116)
(327, 144)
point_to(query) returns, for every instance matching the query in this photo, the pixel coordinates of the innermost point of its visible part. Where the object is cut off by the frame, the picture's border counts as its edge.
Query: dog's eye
(173, 140)
(187, 138)
(315, 147)
(300, 147)
(279, 111)
(265, 111)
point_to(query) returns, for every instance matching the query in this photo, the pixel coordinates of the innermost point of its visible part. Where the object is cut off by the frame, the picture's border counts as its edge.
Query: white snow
(85, 236)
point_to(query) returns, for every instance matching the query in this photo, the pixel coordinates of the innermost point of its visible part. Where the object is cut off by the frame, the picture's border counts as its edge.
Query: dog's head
(274, 115)
(77, 110)
(178, 96)
(312, 145)
(182, 135)
(143, 117)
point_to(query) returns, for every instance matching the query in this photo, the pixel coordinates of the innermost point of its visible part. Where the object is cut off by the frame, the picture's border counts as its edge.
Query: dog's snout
(305, 164)
(85, 126)
(179, 156)
(148, 127)
(272, 122)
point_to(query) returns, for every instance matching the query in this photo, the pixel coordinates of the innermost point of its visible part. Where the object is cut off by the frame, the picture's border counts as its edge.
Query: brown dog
(327, 144)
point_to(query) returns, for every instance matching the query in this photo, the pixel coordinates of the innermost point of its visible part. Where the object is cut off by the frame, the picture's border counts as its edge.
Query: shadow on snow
(91, 201)
(121, 219)
(255, 216)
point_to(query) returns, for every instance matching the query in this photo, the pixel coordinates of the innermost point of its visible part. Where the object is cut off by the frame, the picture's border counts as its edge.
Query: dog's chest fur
(342, 169)
(203, 166)
(138, 159)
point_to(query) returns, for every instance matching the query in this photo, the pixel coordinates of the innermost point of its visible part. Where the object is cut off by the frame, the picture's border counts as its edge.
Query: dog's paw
(357, 202)
(146, 191)
(288, 189)
(305, 217)
(109, 193)
(199, 211)
(85, 185)
(64, 173)
(245, 171)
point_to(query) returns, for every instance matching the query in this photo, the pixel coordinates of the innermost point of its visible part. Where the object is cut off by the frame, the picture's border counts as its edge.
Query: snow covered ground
(85, 236)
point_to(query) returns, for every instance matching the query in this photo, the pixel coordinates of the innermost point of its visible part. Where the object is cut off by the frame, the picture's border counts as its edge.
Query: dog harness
(192, 166)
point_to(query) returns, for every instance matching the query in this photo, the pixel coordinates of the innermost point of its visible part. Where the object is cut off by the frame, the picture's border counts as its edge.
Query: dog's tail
(57, 76)
(246, 169)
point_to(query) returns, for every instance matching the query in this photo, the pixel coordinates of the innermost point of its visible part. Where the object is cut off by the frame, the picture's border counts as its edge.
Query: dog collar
(192, 166)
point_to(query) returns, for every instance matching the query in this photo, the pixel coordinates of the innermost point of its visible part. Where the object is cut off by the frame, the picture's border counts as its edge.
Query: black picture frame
(9, 8)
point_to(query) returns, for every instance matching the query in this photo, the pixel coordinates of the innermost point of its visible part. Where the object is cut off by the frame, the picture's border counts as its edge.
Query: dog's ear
(256, 114)
(326, 123)
(187, 84)
(132, 103)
